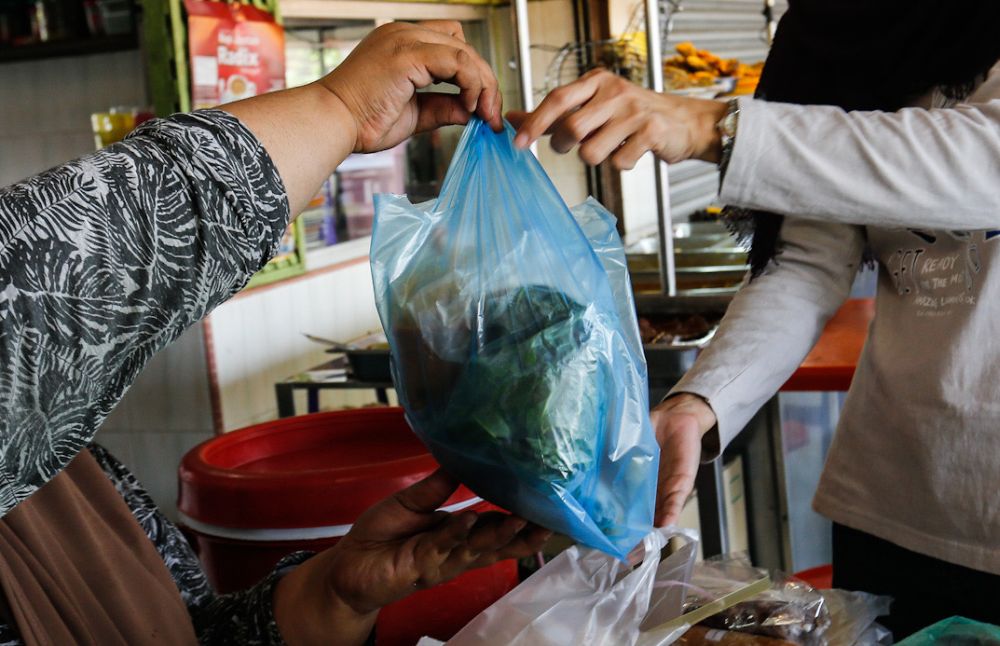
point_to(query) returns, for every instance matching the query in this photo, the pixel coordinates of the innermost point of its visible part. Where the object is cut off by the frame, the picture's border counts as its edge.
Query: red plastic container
(250, 497)
(820, 577)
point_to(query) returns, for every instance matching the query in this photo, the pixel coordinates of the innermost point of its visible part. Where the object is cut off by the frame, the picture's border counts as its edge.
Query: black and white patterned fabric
(107, 259)
(104, 261)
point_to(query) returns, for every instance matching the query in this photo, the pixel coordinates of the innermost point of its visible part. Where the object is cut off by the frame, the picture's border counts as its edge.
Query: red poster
(236, 52)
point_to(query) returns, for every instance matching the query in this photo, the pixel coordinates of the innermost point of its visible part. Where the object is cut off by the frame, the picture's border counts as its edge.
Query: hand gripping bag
(514, 343)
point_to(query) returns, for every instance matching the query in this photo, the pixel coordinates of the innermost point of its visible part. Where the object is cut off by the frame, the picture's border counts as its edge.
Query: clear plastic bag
(853, 615)
(700, 636)
(955, 631)
(585, 597)
(875, 635)
(515, 347)
(791, 610)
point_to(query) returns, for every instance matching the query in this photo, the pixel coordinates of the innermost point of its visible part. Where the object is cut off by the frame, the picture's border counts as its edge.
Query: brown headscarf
(76, 568)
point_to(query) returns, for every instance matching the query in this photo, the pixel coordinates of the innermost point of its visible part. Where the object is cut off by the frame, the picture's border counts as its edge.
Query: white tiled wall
(45, 107)
(258, 339)
(639, 199)
(165, 413)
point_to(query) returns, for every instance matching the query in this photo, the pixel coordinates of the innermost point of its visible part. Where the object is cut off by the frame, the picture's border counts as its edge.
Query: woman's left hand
(401, 545)
(611, 118)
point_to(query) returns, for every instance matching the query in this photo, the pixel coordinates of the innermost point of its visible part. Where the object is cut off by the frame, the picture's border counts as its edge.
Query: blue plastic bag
(515, 347)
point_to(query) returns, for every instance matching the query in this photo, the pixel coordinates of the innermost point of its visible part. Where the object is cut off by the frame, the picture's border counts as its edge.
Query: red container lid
(308, 471)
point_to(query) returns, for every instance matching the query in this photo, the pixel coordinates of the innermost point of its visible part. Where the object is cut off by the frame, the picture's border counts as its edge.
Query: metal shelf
(77, 47)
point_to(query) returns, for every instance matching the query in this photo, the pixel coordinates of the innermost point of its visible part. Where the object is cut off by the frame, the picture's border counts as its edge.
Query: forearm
(915, 168)
(773, 323)
(309, 610)
(307, 131)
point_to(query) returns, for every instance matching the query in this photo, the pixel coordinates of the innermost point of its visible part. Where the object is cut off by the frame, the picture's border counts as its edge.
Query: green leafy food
(526, 394)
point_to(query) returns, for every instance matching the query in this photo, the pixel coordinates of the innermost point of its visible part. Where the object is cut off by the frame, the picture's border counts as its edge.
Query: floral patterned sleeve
(106, 260)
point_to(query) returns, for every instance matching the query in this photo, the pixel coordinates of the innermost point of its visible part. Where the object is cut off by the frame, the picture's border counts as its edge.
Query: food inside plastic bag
(584, 596)
(955, 631)
(516, 402)
(701, 636)
(791, 610)
(514, 343)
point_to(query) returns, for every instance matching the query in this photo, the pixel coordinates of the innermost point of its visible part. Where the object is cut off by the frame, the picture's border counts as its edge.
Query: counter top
(830, 365)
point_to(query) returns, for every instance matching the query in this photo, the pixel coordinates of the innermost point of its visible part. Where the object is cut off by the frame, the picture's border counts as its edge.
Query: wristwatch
(727, 131)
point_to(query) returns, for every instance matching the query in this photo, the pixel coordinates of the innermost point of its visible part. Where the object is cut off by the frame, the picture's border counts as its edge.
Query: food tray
(367, 364)
(707, 260)
(688, 236)
(689, 279)
(667, 362)
(723, 85)
(724, 257)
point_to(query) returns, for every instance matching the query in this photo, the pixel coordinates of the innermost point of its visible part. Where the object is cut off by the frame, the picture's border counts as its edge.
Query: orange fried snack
(686, 49)
(703, 79)
(697, 63)
(728, 67)
(693, 67)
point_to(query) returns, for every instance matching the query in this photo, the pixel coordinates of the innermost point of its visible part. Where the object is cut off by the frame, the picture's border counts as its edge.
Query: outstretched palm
(403, 543)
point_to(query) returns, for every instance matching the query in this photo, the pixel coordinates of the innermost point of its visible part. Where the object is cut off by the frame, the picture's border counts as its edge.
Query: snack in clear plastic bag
(515, 347)
(791, 610)
(701, 636)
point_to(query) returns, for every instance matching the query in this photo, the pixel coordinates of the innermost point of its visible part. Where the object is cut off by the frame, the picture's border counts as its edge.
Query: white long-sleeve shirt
(916, 456)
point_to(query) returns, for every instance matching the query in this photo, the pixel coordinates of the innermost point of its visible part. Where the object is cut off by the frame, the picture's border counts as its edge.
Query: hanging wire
(624, 55)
